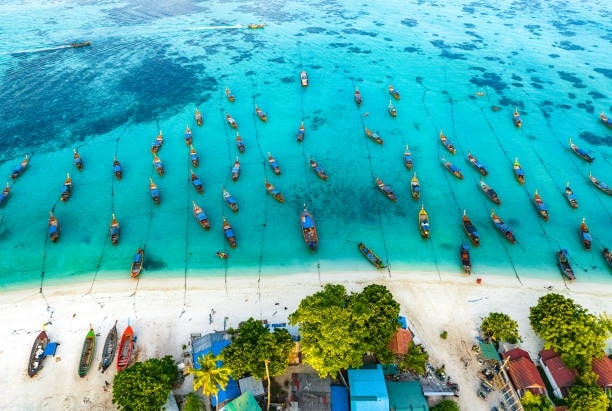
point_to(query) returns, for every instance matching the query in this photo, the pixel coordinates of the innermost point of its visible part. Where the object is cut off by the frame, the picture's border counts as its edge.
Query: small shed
(252, 385)
(406, 396)
(368, 391)
(489, 352)
(400, 342)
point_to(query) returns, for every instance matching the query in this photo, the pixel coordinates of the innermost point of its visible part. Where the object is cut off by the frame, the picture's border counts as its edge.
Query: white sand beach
(164, 315)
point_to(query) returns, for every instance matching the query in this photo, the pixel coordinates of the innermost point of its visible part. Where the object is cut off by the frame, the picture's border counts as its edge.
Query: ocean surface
(461, 67)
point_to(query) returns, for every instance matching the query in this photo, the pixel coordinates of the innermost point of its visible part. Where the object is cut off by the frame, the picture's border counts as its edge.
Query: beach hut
(523, 372)
(559, 376)
(367, 388)
(406, 396)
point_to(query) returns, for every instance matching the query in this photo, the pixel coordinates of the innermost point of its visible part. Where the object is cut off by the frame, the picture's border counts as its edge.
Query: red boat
(137, 263)
(37, 355)
(126, 347)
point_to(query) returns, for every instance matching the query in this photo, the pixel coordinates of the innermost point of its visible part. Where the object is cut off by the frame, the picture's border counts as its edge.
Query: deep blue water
(150, 66)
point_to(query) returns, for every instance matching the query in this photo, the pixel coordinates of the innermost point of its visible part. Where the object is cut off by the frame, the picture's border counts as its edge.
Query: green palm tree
(211, 378)
(415, 360)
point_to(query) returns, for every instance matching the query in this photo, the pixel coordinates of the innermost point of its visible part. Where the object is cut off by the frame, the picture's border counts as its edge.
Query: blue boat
(17, 171)
(309, 230)
(5, 193)
(583, 154)
(230, 200)
(117, 169)
(564, 265)
(477, 164)
(155, 195)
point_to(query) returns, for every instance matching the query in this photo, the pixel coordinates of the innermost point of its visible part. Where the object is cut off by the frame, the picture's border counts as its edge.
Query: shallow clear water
(148, 68)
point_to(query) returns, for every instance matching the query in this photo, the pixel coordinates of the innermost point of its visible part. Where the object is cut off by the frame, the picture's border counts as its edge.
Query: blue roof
(339, 398)
(402, 322)
(367, 389)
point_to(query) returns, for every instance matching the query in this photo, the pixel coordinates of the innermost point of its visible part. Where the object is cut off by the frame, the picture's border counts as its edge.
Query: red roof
(563, 376)
(400, 342)
(603, 368)
(523, 372)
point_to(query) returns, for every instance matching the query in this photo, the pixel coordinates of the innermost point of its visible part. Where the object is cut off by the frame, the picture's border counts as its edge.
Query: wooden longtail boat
(197, 183)
(391, 109)
(309, 230)
(598, 183)
(117, 169)
(408, 163)
(230, 96)
(188, 135)
(503, 227)
(231, 121)
(318, 170)
(385, 189)
(236, 170)
(477, 164)
(489, 192)
(222, 255)
(110, 347)
(277, 195)
(256, 26)
(585, 236)
(53, 228)
(228, 232)
(273, 164)
(17, 171)
(77, 160)
(240, 144)
(198, 117)
(158, 165)
(358, 97)
(373, 136)
(540, 206)
(519, 174)
(81, 44)
(230, 200)
(261, 114)
(137, 263)
(155, 194)
(301, 132)
(470, 230)
(5, 193)
(394, 93)
(453, 169)
(447, 143)
(564, 265)
(37, 355)
(607, 255)
(66, 188)
(114, 230)
(371, 256)
(87, 353)
(194, 157)
(415, 187)
(126, 346)
(604, 119)
(304, 78)
(464, 257)
(424, 222)
(157, 143)
(569, 195)
(200, 216)
(583, 154)
(516, 118)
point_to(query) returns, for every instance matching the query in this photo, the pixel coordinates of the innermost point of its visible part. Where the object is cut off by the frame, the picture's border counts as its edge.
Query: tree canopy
(500, 327)
(145, 385)
(570, 330)
(252, 344)
(211, 377)
(446, 405)
(416, 359)
(532, 402)
(585, 394)
(337, 329)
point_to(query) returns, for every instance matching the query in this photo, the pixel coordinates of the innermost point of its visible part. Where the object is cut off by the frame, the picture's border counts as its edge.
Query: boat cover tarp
(50, 349)
(138, 258)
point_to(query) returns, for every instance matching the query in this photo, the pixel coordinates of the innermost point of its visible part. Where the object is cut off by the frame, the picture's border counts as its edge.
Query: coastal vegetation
(193, 402)
(586, 394)
(338, 329)
(415, 361)
(446, 405)
(500, 327)
(532, 402)
(211, 377)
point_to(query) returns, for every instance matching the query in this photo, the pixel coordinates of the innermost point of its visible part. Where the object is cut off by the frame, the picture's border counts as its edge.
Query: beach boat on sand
(230, 96)
(391, 109)
(126, 347)
(394, 93)
(157, 143)
(604, 119)
(155, 194)
(309, 230)
(453, 169)
(198, 117)
(415, 187)
(358, 97)
(240, 144)
(230, 200)
(564, 265)
(585, 236)
(408, 163)
(464, 256)
(110, 347)
(516, 118)
(318, 170)
(114, 230)
(137, 263)
(583, 154)
(371, 256)
(37, 355)
(519, 174)
(87, 352)
(117, 169)
(569, 195)
(200, 216)
(236, 170)
(470, 230)
(188, 135)
(261, 114)
(477, 165)
(77, 160)
(373, 136)
(66, 188)
(301, 132)
(304, 78)
(17, 171)
(607, 255)
(489, 192)
(273, 191)
(231, 121)
(158, 165)
(197, 183)
(53, 228)
(273, 164)
(5, 193)
(228, 232)
(385, 189)
(194, 157)
(447, 143)
(503, 227)
(540, 206)
(598, 183)
(424, 222)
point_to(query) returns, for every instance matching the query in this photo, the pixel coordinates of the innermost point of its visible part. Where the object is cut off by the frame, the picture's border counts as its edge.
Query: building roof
(245, 402)
(406, 396)
(563, 376)
(252, 385)
(603, 368)
(368, 391)
(523, 372)
(488, 351)
(339, 398)
(400, 341)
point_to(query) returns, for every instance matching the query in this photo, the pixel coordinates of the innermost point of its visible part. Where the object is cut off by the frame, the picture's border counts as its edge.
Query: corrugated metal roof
(406, 396)
(368, 391)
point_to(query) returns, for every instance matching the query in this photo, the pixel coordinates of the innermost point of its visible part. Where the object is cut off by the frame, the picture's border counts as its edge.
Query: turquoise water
(150, 66)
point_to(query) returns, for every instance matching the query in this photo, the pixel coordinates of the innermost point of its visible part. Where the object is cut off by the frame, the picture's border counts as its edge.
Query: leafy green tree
(211, 377)
(145, 385)
(570, 330)
(416, 359)
(446, 405)
(193, 402)
(337, 329)
(252, 345)
(500, 327)
(532, 402)
(585, 394)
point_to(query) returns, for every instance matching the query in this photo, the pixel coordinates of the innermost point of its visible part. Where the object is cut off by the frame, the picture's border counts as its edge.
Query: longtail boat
(489, 192)
(277, 195)
(236, 170)
(408, 158)
(53, 228)
(239, 143)
(37, 355)
(585, 236)
(371, 256)
(5, 193)
(228, 232)
(503, 227)
(519, 174)
(77, 160)
(304, 78)
(470, 230)
(273, 164)
(158, 165)
(117, 169)
(81, 44)
(261, 114)
(301, 132)
(114, 230)
(194, 157)
(394, 93)
(230, 96)
(66, 188)
(358, 97)
(110, 347)
(604, 119)
(222, 255)
(230, 200)
(309, 230)
(453, 169)
(126, 346)
(197, 183)
(318, 170)
(464, 256)
(391, 109)
(607, 255)
(231, 121)
(198, 117)
(200, 216)
(137, 263)
(157, 143)
(516, 118)
(188, 135)
(17, 171)
(373, 136)
(564, 265)
(569, 195)
(583, 154)
(540, 206)
(424, 222)
(447, 143)
(256, 26)
(385, 189)
(598, 183)
(415, 187)
(477, 164)
(87, 353)
(155, 194)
